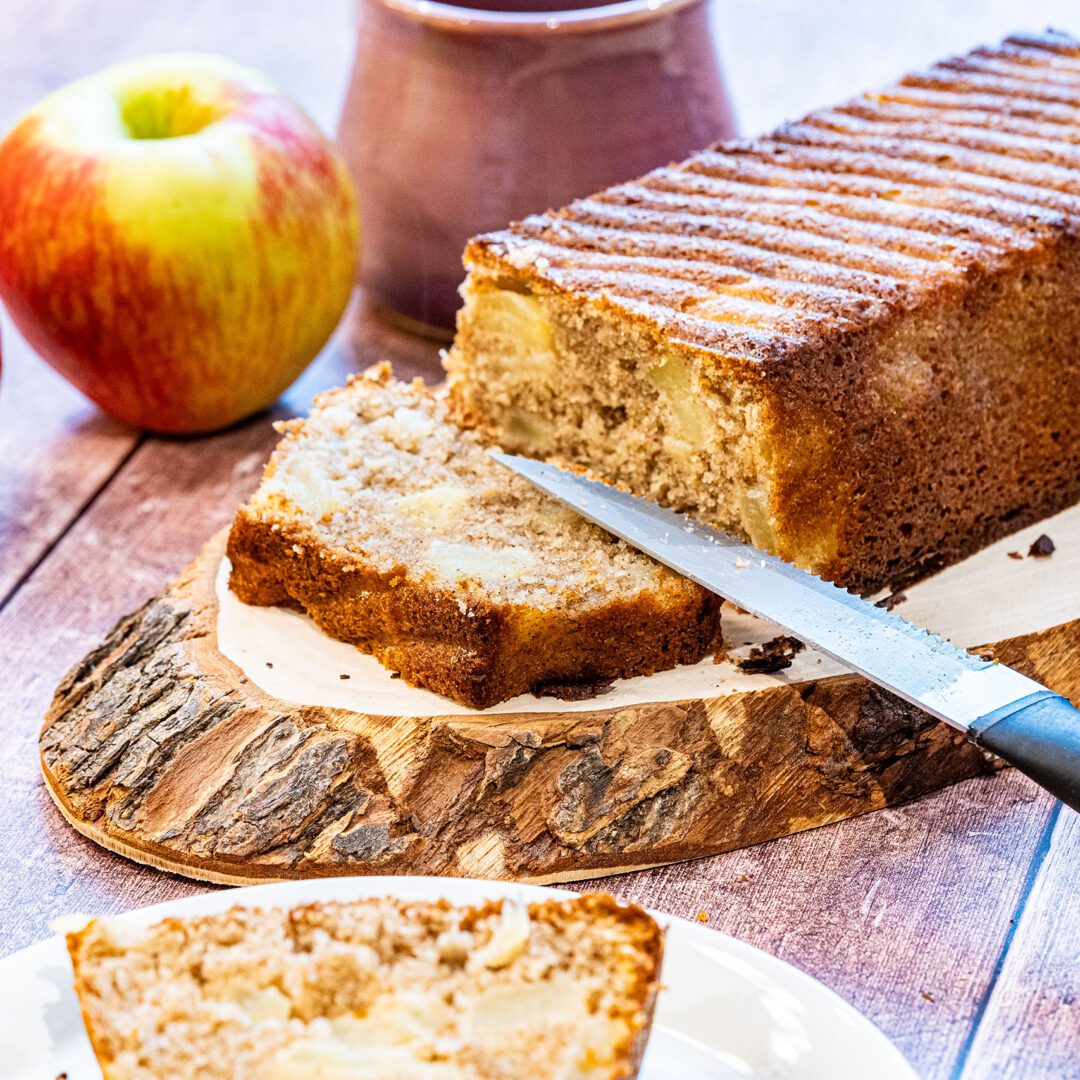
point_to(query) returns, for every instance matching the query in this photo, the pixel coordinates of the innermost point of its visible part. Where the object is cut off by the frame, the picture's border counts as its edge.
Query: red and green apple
(177, 238)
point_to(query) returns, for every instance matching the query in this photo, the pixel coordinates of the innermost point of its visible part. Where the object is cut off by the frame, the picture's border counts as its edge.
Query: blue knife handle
(1040, 735)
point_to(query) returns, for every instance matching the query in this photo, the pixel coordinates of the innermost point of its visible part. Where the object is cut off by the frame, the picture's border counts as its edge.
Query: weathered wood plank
(56, 451)
(904, 912)
(1030, 1023)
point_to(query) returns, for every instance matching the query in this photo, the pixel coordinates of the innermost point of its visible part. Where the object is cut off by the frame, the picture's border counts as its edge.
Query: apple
(177, 238)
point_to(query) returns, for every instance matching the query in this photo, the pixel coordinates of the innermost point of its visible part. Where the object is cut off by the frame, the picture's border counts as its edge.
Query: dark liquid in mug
(516, 7)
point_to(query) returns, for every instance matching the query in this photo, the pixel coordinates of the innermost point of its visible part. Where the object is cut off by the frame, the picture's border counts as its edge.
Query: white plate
(729, 1011)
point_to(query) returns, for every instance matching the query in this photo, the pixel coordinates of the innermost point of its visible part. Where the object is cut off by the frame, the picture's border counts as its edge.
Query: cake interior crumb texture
(561, 990)
(397, 531)
(854, 341)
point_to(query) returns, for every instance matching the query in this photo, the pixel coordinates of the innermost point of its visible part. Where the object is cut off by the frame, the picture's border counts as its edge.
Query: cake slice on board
(396, 531)
(384, 989)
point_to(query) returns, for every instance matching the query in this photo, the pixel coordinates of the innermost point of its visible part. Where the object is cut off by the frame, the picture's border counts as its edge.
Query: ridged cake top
(758, 247)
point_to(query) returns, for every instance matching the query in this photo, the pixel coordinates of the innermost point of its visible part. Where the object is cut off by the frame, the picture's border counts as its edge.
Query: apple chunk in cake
(396, 531)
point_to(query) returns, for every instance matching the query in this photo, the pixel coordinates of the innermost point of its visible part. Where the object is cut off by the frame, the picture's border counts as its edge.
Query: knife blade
(997, 707)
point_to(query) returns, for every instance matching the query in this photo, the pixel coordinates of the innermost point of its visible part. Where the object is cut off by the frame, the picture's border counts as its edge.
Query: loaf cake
(854, 342)
(376, 989)
(398, 532)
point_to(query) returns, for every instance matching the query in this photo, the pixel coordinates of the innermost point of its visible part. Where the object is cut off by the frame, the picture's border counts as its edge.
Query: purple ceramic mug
(460, 119)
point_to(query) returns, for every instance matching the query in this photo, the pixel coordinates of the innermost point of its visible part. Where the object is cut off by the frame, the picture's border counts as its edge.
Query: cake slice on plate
(395, 530)
(855, 341)
(379, 989)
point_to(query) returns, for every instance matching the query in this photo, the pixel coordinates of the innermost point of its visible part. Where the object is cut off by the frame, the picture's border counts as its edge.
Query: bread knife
(997, 707)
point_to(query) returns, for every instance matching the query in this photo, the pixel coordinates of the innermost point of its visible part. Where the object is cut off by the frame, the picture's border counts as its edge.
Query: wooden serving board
(240, 745)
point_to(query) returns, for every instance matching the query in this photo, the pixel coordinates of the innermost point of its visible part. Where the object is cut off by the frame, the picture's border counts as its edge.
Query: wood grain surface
(951, 921)
(161, 749)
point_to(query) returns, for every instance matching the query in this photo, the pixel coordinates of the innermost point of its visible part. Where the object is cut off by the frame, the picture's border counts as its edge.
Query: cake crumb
(268, 664)
(928, 997)
(344, 676)
(1015, 555)
(774, 655)
(1043, 548)
(580, 691)
(890, 601)
(702, 916)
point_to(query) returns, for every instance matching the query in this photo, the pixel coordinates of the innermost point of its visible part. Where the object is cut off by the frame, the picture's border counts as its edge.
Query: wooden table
(953, 922)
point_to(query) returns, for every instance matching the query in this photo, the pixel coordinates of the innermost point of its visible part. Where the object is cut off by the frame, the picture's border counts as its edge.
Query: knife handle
(1040, 735)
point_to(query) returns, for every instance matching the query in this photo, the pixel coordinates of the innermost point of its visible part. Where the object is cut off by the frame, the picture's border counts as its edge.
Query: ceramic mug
(460, 119)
